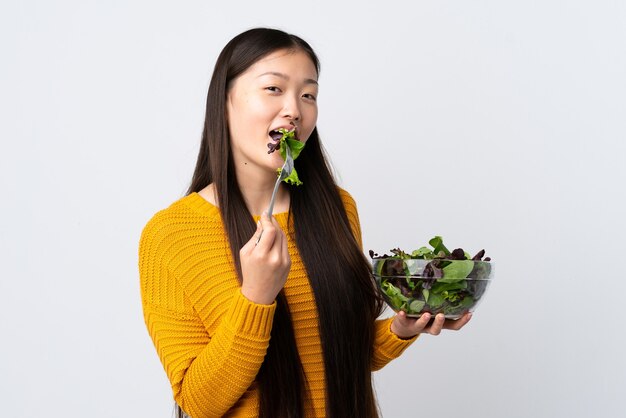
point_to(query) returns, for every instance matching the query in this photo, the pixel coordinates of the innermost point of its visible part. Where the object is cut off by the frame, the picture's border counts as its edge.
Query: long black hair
(339, 274)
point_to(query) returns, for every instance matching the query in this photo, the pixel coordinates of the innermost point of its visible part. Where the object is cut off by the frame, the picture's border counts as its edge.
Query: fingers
(437, 326)
(440, 323)
(265, 262)
(279, 249)
(459, 323)
(420, 323)
(267, 237)
(405, 327)
(265, 241)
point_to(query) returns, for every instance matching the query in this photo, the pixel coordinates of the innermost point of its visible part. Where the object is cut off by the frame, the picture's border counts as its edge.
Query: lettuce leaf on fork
(288, 140)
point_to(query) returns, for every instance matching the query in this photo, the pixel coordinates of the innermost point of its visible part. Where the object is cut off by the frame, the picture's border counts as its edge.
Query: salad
(282, 138)
(434, 280)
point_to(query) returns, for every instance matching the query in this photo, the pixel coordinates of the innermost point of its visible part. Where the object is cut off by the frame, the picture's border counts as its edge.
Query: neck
(258, 198)
(256, 185)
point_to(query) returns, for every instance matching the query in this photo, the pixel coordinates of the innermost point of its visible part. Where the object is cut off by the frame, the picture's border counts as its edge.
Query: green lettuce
(289, 140)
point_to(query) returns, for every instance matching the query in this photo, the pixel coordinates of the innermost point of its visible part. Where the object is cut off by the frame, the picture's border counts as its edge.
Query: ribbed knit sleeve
(387, 345)
(210, 339)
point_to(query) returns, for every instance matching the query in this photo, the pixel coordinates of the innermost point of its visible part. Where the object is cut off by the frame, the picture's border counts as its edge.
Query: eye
(310, 96)
(273, 89)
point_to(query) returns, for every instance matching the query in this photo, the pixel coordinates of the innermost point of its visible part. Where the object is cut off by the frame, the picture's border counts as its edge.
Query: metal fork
(284, 173)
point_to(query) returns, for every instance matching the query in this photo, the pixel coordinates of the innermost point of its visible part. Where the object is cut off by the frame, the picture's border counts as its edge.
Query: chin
(276, 161)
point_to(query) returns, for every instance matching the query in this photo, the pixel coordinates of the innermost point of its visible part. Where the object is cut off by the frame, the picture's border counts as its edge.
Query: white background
(496, 124)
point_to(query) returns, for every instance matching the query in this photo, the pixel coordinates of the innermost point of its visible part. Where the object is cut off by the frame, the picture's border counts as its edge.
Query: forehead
(292, 62)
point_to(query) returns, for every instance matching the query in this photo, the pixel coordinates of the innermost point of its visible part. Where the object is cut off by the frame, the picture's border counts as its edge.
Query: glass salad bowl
(417, 286)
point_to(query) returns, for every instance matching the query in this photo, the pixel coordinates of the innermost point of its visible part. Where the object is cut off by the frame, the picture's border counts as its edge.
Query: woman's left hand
(405, 327)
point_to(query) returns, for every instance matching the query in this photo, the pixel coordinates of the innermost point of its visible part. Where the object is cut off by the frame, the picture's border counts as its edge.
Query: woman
(286, 326)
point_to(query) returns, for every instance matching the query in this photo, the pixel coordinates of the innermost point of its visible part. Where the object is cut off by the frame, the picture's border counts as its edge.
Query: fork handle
(270, 210)
(281, 177)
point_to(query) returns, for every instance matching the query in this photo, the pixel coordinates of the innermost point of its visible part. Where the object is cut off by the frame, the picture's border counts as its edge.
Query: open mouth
(274, 144)
(276, 135)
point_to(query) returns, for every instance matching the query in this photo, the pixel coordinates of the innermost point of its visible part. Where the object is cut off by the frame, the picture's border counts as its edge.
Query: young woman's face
(278, 91)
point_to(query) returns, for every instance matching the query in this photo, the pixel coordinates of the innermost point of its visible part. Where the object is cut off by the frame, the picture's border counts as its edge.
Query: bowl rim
(427, 259)
(413, 276)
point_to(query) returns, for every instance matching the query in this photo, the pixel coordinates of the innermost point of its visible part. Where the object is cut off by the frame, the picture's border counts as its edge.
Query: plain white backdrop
(496, 124)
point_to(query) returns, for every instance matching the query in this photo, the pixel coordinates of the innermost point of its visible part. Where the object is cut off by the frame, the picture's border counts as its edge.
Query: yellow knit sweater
(209, 337)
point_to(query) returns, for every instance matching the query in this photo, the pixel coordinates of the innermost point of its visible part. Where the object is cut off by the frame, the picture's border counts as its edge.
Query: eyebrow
(286, 77)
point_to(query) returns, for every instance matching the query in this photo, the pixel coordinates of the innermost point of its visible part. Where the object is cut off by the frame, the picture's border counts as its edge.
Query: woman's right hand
(265, 265)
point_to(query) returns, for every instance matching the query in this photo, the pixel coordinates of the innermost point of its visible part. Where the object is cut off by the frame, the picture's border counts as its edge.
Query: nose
(291, 109)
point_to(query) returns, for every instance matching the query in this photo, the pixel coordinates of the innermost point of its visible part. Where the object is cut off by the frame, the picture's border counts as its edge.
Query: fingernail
(258, 224)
